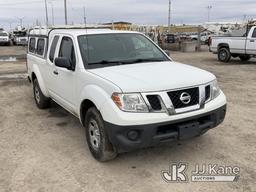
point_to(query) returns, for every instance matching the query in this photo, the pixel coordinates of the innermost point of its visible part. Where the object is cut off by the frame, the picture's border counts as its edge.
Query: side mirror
(63, 63)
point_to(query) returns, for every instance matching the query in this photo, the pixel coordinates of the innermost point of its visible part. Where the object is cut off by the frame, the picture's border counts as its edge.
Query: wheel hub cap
(37, 94)
(94, 134)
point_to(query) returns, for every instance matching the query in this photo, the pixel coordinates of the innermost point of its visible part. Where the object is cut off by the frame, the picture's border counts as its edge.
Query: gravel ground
(46, 150)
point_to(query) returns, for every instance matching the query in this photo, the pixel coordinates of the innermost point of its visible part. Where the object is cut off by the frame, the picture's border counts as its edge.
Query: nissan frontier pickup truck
(243, 46)
(127, 92)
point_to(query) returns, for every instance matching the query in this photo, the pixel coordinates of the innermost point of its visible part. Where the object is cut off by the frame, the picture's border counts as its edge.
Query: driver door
(64, 86)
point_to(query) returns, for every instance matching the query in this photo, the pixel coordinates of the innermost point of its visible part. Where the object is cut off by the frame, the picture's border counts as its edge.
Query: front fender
(96, 95)
(40, 80)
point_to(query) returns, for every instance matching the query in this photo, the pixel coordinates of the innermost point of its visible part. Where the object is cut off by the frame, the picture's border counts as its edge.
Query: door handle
(55, 72)
(252, 41)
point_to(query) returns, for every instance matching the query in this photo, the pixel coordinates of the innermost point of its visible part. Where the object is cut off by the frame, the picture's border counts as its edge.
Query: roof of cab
(75, 31)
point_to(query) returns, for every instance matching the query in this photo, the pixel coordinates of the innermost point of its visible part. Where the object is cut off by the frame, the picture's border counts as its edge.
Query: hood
(150, 77)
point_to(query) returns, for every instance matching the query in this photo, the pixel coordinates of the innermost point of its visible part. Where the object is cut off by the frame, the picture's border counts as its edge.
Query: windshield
(117, 49)
(3, 34)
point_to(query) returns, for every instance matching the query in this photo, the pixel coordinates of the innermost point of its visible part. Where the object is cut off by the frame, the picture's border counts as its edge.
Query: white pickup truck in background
(243, 46)
(5, 38)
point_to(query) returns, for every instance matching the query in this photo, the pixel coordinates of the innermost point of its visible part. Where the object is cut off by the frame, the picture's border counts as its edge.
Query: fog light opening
(133, 135)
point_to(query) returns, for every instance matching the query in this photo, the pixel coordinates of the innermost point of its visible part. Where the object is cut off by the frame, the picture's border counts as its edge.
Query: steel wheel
(97, 136)
(224, 55)
(37, 94)
(94, 133)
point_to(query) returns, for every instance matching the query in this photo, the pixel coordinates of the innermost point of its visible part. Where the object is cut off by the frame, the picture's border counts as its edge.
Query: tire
(97, 138)
(42, 102)
(245, 57)
(224, 55)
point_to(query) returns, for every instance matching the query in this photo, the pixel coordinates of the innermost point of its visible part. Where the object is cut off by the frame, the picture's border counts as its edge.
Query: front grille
(177, 103)
(207, 92)
(154, 102)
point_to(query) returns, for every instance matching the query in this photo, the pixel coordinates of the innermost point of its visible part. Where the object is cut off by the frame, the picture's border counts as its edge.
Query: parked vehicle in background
(170, 38)
(243, 46)
(20, 36)
(204, 37)
(5, 38)
(126, 91)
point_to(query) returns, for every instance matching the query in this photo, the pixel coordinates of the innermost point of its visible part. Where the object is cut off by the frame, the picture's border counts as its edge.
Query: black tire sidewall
(228, 55)
(106, 151)
(44, 101)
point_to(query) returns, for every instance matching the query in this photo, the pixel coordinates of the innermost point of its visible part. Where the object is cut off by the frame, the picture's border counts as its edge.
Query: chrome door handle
(252, 41)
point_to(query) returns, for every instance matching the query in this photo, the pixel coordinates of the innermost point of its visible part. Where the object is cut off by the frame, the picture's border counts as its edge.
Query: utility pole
(52, 13)
(84, 17)
(10, 23)
(21, 20)
(65, 8)
(244, 17)
(46, 13)
(169, 17)
(209, 7)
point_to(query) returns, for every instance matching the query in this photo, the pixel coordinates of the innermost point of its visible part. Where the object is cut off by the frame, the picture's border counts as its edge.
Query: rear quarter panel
(235, 44)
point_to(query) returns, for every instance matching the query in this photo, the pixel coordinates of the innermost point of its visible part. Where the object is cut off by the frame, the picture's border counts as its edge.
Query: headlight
(215, 90)
(130, 102)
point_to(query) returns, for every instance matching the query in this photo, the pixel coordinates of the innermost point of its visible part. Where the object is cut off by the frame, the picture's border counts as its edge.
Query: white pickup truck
(5, 38)
(126, 91)
(243, 47)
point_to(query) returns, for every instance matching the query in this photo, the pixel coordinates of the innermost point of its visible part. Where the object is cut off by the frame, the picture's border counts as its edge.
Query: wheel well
(223, 45)
(33, 77)
(86, 104)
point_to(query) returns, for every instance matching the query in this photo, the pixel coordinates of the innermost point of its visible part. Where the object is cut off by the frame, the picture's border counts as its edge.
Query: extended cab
(243, 46)
(126, 91)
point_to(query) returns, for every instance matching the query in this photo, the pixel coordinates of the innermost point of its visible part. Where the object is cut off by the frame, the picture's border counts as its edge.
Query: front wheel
(224, 55)
(97, 138)
(245, 57)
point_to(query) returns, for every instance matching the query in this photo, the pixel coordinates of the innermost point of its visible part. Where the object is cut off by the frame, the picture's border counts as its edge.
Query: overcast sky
(136, 11)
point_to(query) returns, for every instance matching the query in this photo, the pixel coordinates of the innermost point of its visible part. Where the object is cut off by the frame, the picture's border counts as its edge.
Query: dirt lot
(46, 150)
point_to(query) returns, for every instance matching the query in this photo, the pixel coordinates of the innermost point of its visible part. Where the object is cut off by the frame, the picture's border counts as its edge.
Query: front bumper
(124, 138)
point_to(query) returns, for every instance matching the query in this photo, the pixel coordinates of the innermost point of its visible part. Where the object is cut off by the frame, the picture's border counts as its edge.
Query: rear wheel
(42, 102)
(245, 57)
(224, 55)
(97, 138)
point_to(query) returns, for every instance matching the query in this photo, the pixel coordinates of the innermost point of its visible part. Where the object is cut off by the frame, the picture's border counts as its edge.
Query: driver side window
(67, 50)
(254, 33)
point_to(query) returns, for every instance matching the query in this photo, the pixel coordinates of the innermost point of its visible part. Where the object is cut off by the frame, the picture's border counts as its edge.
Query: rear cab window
(40, 47)
(32, 45)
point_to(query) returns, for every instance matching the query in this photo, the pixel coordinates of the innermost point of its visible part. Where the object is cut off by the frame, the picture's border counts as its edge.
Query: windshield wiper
(105, 62)
(143, 60)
